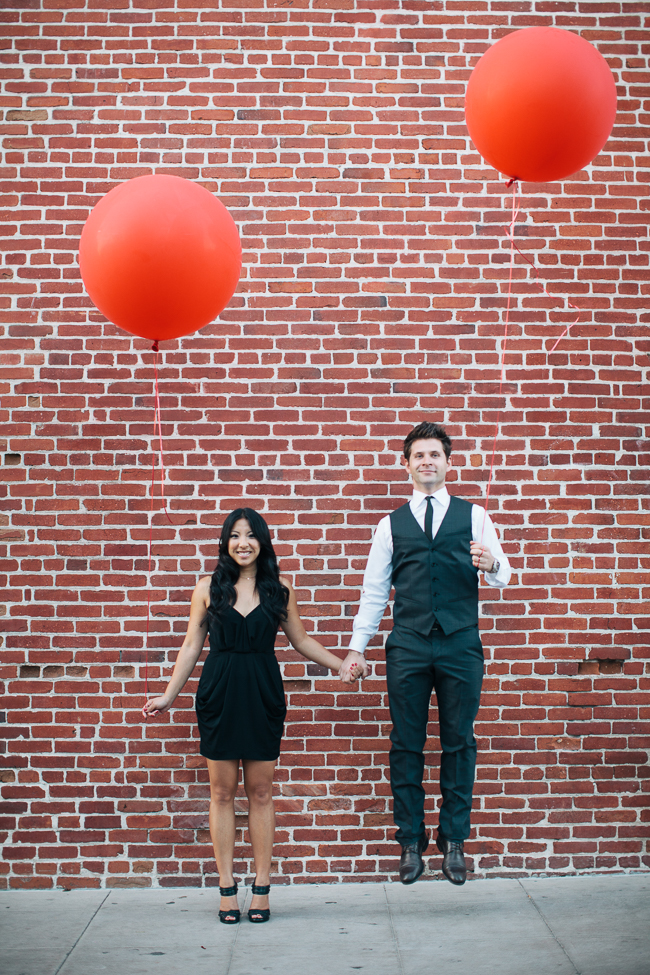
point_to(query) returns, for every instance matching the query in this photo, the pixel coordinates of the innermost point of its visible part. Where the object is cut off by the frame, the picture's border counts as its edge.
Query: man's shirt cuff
(357, 645)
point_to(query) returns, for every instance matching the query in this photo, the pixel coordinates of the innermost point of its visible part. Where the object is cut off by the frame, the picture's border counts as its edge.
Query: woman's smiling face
(243, 547)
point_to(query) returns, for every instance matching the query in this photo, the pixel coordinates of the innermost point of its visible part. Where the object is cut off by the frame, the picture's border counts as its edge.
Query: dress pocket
(271, 691)
(211, 676)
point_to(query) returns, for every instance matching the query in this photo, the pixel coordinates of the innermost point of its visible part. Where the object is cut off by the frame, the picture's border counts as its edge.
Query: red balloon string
(552, 297)
(502, 371)
(157, 421)
(157, 425)
(513, 247)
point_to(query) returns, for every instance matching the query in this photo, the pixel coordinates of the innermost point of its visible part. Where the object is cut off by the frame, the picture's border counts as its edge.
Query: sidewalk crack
(550, 929)
(82, 933)
(234, 940)
(392, 928)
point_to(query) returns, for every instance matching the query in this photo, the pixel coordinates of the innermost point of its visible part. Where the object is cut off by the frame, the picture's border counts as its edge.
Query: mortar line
(552, 932)
(392, 928)
(56, 972)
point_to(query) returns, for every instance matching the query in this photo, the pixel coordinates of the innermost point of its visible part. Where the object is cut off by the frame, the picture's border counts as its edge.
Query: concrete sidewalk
(592, 925)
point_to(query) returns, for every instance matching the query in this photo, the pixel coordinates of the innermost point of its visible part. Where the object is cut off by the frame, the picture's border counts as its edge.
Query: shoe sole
(456, 883)
(407, 883)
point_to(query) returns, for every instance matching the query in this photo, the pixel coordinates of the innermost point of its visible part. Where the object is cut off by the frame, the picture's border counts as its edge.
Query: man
(431, 550)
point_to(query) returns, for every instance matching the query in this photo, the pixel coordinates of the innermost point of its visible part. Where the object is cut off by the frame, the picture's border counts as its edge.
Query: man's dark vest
(434, 581)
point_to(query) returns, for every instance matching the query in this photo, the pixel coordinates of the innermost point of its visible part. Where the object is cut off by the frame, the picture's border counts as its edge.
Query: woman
(240, 702)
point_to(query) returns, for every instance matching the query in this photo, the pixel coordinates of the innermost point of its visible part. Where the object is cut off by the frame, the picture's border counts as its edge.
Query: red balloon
(540, 104)
(160, 256)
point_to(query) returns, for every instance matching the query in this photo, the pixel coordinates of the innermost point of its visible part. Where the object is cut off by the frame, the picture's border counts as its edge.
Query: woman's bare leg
(223, 786)
(258, 783)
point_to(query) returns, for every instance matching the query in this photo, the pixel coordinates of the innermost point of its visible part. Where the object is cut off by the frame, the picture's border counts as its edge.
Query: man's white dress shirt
(379, 569)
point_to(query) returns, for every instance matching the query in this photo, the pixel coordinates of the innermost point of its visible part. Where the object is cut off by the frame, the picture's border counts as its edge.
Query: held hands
(156, 705)
(482, 557)
(353, 667)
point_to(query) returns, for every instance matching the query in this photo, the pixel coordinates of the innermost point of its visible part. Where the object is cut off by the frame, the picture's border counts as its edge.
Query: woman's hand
(356, 671)
(353, 667)
(156, 704)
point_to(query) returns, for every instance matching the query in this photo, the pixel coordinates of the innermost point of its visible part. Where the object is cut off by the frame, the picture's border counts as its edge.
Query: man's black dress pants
(453, 666)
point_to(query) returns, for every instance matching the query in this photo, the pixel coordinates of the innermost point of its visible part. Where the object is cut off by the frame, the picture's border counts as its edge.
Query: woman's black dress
(240, 702)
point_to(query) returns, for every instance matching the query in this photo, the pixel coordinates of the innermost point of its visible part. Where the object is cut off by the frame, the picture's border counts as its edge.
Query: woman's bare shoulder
(203, 588)
(286, 581)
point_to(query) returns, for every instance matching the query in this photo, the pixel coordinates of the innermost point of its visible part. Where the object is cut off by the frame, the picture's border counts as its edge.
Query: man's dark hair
(428, 431)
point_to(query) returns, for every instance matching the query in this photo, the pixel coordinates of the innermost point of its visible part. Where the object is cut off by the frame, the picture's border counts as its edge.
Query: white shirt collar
(441, 496)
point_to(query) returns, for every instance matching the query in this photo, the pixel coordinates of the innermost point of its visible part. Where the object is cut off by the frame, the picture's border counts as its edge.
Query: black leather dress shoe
(411, 863)
(453, 859)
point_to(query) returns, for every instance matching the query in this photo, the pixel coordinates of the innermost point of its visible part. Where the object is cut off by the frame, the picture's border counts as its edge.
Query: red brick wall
(373, 294)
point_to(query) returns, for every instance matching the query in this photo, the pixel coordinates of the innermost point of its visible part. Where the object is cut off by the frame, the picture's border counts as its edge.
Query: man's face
(427, 465)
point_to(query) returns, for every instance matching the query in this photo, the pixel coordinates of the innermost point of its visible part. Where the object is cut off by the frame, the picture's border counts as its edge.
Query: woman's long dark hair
(274, 597)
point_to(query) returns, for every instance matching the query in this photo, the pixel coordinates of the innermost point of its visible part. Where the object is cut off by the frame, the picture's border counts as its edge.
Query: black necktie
(428, 518)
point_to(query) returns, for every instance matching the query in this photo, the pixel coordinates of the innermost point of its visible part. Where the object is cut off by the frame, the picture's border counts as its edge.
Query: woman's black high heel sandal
(232, 915)
(259, 914)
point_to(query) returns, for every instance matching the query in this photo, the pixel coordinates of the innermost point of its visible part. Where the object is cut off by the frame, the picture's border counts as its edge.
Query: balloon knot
(515, 179)
(154, 347)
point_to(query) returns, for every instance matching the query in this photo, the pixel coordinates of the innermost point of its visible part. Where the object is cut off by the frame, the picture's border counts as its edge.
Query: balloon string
(513, 247)
(158, 420)
(553, 298)
(157, 425)
(502, 372)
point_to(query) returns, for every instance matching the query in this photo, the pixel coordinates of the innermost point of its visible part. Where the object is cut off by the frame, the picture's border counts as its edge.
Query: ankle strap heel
(260, 891)
(259, 914)
(233, 914)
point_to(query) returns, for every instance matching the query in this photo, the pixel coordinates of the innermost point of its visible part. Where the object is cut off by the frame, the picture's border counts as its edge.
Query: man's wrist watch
(496, 565)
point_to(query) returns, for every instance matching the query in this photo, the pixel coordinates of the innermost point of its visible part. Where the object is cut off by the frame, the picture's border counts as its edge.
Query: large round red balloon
(160, 256)
(540, 104)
